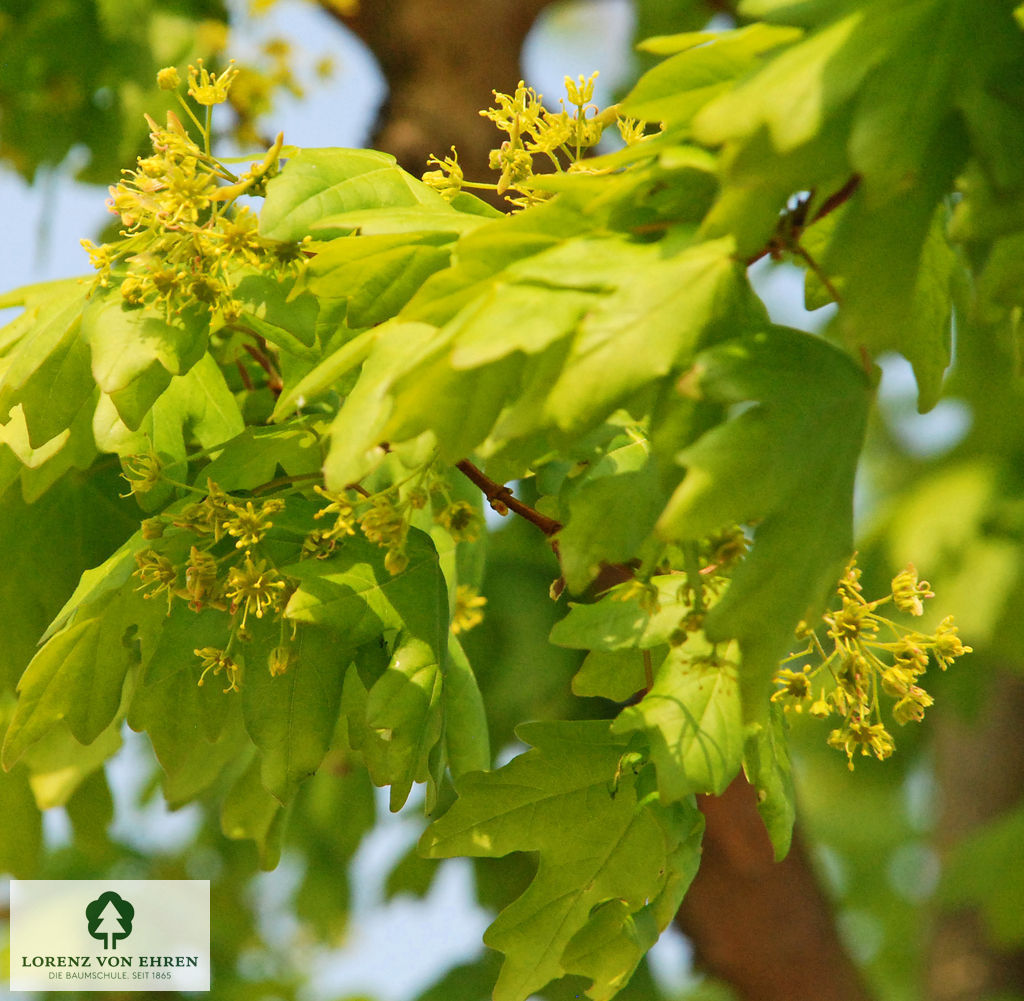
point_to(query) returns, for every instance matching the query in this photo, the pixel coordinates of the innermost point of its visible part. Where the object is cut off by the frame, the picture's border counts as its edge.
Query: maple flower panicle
(870, 655)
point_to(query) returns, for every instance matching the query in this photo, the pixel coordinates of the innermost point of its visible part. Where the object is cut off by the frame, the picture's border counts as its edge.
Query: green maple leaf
(693, 720)
(600, 839)
(784, 463)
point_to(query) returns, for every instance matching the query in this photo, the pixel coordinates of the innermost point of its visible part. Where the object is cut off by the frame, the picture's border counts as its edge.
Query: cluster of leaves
(373, 336)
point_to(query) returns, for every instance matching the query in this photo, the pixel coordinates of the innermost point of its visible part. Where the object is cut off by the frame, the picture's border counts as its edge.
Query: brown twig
(243, 372)
(793, 223)
(501, 498)
(274, 383)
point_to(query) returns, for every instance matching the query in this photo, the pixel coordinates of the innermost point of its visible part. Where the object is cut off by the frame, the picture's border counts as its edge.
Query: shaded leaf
(466, 741)
(291, 717)
(22, 842)
(768, 769)
(787, 464)
(79, 674)
(249, 812)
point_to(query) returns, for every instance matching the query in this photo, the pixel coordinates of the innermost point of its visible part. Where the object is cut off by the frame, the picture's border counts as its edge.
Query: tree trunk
(763, 927)
(980, 770)
(442, 59)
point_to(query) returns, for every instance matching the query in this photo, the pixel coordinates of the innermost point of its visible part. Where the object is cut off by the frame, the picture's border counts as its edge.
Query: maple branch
(274, 383)
(796, 221)
(502, 500)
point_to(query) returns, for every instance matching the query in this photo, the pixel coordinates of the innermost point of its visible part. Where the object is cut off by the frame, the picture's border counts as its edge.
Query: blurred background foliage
(921, 854)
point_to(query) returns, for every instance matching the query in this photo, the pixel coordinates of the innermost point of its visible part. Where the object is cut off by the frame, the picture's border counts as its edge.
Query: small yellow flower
(448, 178)
(212, 659)
(255, 588)
(142, 472)
(248, 525)
(462, 520)
(157, 572)
(796, 687)
(396, 561)
(340, 506)
(468, 609)
(280, 659)
(912, 706)
(631, 130)
(207, 89)
(853, 620)
(908, 591)
(910, 653)
(383, 524)
(948, 644)
(318, 545)
(153, 528)
(582, 92)
(897, 681)
(200, 577)
(868, 738)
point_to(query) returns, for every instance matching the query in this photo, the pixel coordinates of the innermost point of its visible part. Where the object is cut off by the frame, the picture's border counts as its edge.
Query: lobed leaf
(693, 721)
(623, 846)
(316, 184)
(786, 464)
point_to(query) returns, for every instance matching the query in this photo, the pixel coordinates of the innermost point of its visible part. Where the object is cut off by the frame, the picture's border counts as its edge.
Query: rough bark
(763, 927)
(980, 771)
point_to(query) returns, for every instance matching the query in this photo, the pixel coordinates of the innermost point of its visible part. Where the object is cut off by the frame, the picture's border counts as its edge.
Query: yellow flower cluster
(869, 656)
(183, 234)
(230, 568)
(538, 139)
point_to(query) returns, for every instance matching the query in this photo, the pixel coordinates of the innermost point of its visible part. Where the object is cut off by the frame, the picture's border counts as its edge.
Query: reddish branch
(501, 498)
(794, 223)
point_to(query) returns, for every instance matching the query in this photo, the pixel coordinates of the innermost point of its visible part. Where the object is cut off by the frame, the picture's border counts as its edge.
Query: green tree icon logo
(110, 918)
